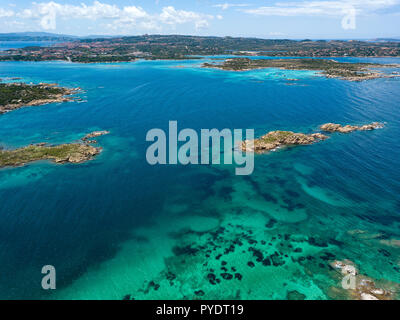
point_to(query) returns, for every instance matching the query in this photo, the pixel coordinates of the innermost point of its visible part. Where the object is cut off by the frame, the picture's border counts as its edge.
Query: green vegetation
(17, 95)
(102, 59)
(185, 47)
(176, 45)
(277, 136)
(330, 68)
(23, 93)
(74, 153)
(276, 139)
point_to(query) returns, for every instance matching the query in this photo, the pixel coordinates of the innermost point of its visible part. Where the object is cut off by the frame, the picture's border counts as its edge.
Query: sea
(119, 228)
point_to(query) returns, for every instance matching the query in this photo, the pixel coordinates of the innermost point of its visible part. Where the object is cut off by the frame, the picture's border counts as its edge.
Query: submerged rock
(295, 295)
(226, 276)
(395, 243)
(238, 276)
(199, 293)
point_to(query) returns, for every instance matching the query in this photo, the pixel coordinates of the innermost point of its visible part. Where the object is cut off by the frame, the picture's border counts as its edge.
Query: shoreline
(349, 71)
(75, 153)
(201, 57)
(275, 140)
(49, 93)
(320, 73)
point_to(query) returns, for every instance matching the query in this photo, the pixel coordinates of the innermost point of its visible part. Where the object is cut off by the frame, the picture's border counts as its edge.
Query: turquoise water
(116, 226)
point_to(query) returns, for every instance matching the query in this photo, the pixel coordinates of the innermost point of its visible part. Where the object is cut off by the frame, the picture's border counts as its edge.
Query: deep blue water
(77, 217)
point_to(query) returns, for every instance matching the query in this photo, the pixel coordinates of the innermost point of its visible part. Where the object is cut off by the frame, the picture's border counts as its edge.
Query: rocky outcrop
(345, 267)
(334, 127)
(277, 139)
(94, 134)
(361, 287)
(35, 103)
(329, 68)
(80, 154)
(19, 95)
(65, 153)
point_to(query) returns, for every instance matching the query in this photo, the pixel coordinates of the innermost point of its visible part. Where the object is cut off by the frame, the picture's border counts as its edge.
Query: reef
(14, 96)
(394, 243)
(333, 127)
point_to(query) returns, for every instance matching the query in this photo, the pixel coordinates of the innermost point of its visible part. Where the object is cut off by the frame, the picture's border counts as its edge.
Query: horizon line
(102, 36)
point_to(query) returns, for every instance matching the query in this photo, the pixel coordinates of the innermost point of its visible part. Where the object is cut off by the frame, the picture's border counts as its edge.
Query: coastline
(49, 93)
(75, 153)
(312, 194)
(349, 71)
(275, 140)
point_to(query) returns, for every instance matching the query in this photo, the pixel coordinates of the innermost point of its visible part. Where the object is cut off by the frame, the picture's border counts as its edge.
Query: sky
(312, 19)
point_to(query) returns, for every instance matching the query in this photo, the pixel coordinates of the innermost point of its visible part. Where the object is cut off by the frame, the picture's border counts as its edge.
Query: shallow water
(117, 226)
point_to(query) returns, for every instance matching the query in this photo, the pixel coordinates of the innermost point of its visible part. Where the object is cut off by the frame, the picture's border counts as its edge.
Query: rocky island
(88, 138)
(276, 139)
(65, 153)
(14, 96)
(329, 68)
(333, 127)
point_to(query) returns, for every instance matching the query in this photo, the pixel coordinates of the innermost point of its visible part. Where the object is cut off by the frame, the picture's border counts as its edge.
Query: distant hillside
(386, 40)
(186, 47)
(35, 36)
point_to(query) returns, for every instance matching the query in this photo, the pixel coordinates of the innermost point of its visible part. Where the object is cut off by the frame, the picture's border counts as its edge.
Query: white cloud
(135, 12)
(226, 5)
(170, 15)
(129, 16)
(6, 13)
(347, 9)
(122, 17)
(97, 10)
(322, 8)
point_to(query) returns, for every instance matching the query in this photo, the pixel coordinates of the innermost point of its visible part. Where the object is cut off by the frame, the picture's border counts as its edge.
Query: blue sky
(256, 18)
